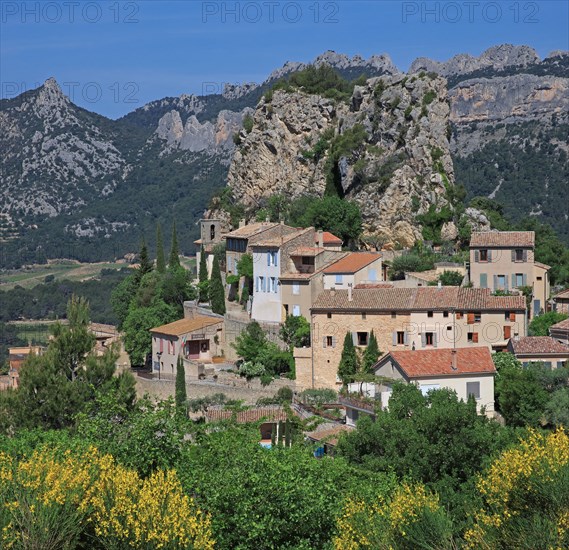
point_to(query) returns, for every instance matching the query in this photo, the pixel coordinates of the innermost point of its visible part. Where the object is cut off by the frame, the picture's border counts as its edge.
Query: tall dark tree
(160, 260)
(216, 290)
(181, 394)
(174, 260)
(348, 362)
(371, 354)
(203, 278)
(145, 265)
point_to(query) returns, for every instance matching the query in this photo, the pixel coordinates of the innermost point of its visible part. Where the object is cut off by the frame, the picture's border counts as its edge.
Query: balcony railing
(364, 404)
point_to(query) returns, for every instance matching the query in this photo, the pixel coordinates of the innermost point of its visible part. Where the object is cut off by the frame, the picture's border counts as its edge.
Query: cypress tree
(145, 265)
(216, 290)
(181, 395)
(348, 362)
(371, 354)
(160, 260)
(202, 275)
(174, 260)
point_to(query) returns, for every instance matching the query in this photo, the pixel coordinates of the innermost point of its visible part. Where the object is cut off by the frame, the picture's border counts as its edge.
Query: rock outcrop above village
(386, 148)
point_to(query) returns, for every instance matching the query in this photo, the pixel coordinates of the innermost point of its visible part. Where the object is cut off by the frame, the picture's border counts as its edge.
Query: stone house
(353, 269)
(561, 302)
(505, 260)
(197, 340)
(539, 349)
(405, 319)
(560, 331)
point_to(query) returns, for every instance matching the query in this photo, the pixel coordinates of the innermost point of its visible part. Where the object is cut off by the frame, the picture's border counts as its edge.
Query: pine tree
(145, 265)
(174, 260)
(160, 261)
(181, 395)
(216, 290)
(348, 362)
(371, 354)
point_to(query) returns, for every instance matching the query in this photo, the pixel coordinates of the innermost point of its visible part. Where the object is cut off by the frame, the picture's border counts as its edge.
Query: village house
(405, 319)
(353, 269)
(105, 336)
(16, 358)
(561, 302)
(560, 331)
(271, 260)
(505, 261)
(211, 235)
(539, 349)
(430, 277)
(196, 339)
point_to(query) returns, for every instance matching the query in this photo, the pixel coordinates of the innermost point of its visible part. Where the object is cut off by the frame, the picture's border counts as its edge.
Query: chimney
(350, 292)
(453, 363)
(242, 223)
(320, 238)
(439, 285)
(267, 219)
(333, 291)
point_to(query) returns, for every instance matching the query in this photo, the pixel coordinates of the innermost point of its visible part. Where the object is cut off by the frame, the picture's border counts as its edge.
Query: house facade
(561, 302)
(272, 256)
(467, 371)
(197, 340)
(405, 319)
(353, 269)
(539, 349)
(505, 261)
(560, 331)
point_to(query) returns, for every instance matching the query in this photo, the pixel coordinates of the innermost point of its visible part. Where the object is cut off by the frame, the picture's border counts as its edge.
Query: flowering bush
(55, 500)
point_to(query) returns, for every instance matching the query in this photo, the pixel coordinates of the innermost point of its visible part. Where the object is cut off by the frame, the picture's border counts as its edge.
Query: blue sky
(114, 56)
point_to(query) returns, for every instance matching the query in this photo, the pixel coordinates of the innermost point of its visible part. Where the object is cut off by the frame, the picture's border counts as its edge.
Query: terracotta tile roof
(418, 299)
(352, 262)
(429, 275)
(505, 239)
(537, 345)
(307, 251)
(183, 326)
(543, 266)
(268, 414)
(286, 235)
(562, 326)
(100, 327)
(438, 362)
(328, 238)
(374, 285)
(564, 295)
(249, 230)
(329, 435)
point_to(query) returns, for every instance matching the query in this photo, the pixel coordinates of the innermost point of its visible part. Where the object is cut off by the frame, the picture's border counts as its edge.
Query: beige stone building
(353, 269)
(561, 302)
(210, 236)
(539, 349)
(505, 260)
(405, 319)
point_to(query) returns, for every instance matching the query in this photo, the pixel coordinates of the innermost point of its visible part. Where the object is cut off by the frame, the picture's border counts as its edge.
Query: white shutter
(355, 338)
(423, 340)
(434, 339)
(524, 279)
(406, 338)
(333, 341)
(324, 342)
(513, 280)
(513, 255)
(394, 335)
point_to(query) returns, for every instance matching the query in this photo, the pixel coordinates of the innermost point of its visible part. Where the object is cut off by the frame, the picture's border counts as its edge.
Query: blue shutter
(514, 280)
(477, 256)
(268, 258)
(489, 255)
(495, 282)
(483, 280)
(524, 279)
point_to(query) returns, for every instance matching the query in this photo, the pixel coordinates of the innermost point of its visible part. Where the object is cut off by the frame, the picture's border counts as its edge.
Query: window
(473, 388)
(329, 342)
(364, 316)
(472, 337)
(510, 316)
(445, 313)
(296, 288)
(539, 278)
(429, 340)
(477, 317)
(429, 313)
(273, 287)
(262, 284)
(296, 311)
(501, 282)
(484, 255)
(519, 279)
(362, 338)
(212, 232)
(271, 259)
(519, 255)
(400, 338)
(426, 388)
(329, 315)
(459, 314)
(339, 279)
(393, 315)
(372, 275)
(308, 260)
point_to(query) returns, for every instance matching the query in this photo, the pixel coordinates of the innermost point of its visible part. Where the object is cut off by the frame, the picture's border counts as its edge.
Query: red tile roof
(537, 345)
(268, 414)
(374, 285)
(352, 262)
(328, 238)
(564, 295)
(418, 299)
(506, 239)
(284, 236)
(184, 326)
(562, 326)
(438, 362)
(249, 230)
(329, 435)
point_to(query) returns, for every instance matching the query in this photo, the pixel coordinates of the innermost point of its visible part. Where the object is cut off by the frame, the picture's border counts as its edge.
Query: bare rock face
(387, 149)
